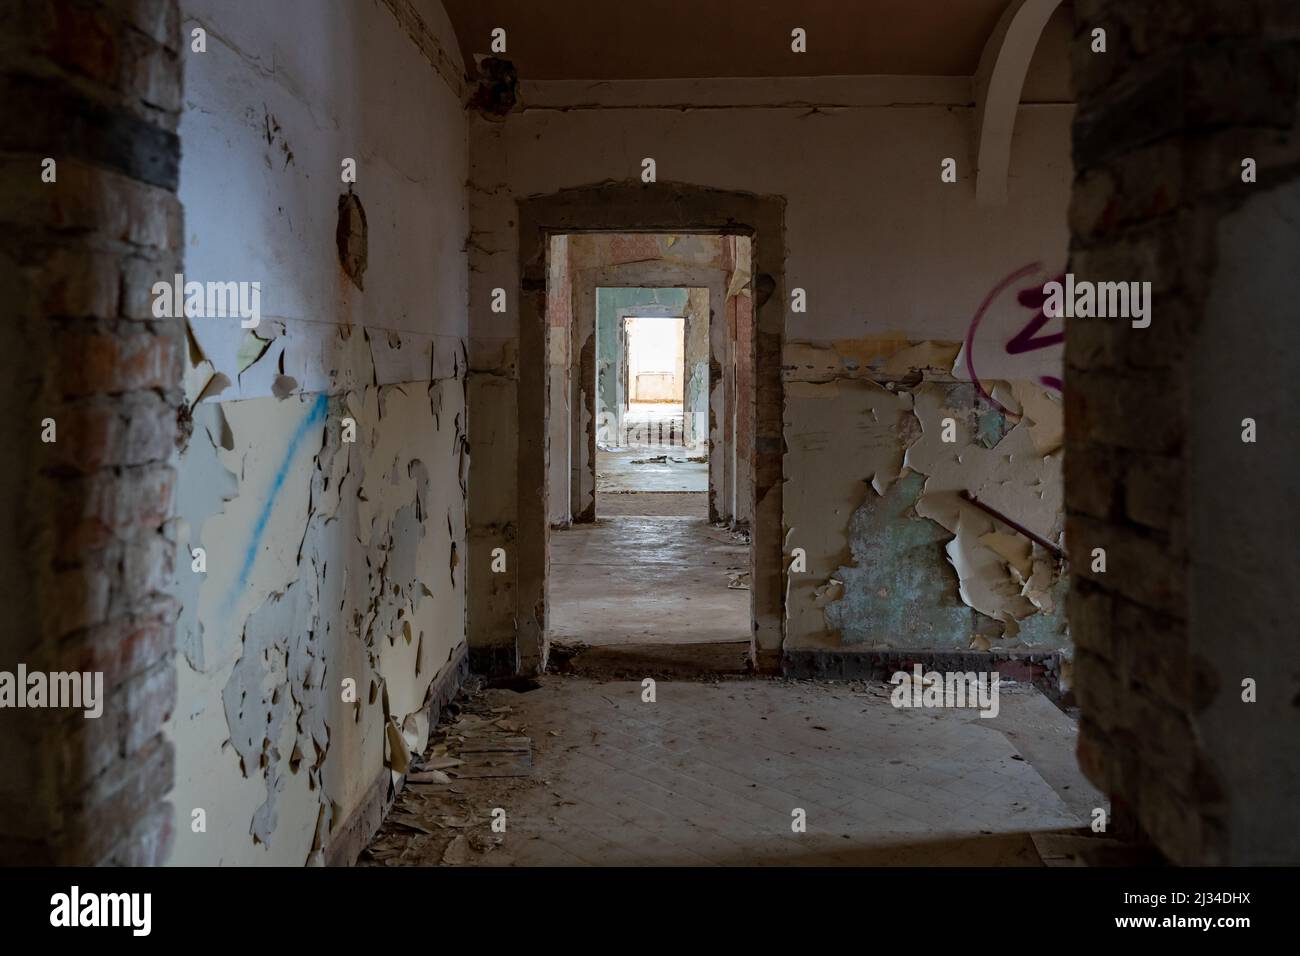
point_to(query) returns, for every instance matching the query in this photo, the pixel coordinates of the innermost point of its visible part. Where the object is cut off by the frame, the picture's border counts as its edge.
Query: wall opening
(673, 210)
(655, 351)
(653, 554)
(645, 444)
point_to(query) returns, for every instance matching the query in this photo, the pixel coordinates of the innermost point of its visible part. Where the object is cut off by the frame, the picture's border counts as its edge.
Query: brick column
(1156, 472)
(86, 562)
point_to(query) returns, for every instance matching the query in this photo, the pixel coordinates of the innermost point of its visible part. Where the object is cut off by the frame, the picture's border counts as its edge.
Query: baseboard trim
(364, 821)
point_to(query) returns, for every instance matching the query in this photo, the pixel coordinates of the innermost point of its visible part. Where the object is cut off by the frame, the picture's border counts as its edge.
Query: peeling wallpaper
(895, 557)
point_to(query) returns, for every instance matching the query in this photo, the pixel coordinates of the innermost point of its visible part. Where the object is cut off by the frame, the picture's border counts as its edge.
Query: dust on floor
(716, 772)
(679, 504)
(648, 579)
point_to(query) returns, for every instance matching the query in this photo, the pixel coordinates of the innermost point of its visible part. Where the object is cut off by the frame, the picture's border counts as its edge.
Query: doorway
(510, 616)
(652, 384)
(655, 347)
(657, 561)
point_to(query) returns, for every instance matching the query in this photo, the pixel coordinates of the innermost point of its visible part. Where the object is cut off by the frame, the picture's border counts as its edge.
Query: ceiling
(657, 39)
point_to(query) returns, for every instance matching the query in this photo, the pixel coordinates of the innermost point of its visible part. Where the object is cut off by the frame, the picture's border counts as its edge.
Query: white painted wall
(878, 242)
(340, 80)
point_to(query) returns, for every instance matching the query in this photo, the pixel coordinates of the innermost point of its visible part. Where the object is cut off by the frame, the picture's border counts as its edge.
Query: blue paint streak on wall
(315, 419)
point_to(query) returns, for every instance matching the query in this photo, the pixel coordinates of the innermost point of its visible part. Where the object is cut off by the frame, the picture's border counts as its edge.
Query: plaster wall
(325, 477)
(695, 388)
(890, 248)
(1244, 574)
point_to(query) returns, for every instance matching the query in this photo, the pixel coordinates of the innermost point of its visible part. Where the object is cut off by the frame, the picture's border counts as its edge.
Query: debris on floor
(496, 756)
(708, 771)
(651, 468)
(738, 580)
(736, 535)
(665, 459)
(443, 813)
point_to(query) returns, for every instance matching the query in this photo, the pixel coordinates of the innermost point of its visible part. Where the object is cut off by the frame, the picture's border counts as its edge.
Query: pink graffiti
(1025, 340)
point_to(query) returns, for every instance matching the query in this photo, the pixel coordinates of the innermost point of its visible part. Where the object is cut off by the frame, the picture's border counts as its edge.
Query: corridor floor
(710, 773)
(651, 456)
(648, 579)
(654, 468)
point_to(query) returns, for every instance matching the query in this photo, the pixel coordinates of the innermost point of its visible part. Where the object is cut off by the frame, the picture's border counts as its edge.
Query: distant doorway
(655, 370)
(652, 446)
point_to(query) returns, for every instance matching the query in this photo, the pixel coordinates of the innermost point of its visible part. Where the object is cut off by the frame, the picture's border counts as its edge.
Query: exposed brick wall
(86, 561)
(1185, 90)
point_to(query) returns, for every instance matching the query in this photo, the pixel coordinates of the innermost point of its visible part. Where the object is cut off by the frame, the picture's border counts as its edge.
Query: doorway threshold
(638, 661)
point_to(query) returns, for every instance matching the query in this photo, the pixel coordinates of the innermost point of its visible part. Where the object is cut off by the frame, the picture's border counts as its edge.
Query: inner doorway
(658, 562)
(519, 613)
(656, 381)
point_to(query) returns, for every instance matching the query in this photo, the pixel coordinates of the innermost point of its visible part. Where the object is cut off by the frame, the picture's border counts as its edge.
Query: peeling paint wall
(695, 387)
(738, 407)
(744, 427)
(326, 475)
(899, 558)
(612, 249)
(895, 265)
